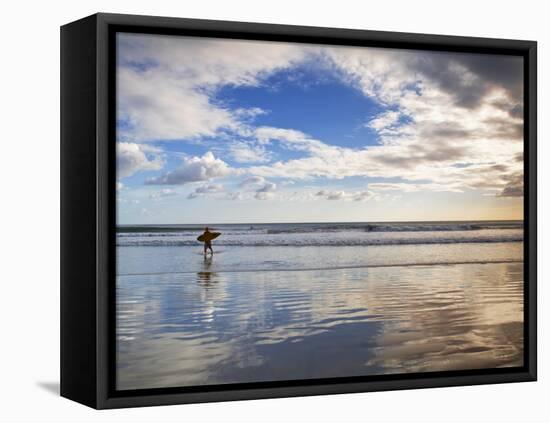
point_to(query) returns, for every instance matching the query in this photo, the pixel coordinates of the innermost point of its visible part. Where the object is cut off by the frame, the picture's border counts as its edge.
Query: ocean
(315, 300)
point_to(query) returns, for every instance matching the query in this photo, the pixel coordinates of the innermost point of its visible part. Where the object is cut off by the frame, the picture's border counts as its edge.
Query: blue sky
(213, 130)
(315, 102)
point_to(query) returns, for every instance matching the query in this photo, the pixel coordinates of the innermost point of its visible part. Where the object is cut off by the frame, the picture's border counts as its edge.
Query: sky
(236, 131)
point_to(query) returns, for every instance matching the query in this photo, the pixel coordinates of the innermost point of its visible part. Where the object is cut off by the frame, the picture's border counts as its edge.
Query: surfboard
(208, 236)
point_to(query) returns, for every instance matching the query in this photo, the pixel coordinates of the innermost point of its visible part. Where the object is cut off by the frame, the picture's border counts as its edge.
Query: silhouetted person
(207, 241)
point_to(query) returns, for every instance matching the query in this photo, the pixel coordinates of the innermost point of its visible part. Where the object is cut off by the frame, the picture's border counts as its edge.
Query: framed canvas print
(254, 211)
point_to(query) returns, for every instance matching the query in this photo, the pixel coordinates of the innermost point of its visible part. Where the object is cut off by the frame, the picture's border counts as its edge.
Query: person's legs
(209, 246)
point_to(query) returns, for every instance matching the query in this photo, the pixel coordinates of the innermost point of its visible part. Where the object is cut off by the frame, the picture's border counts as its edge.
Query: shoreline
(162, 259)
(364, 266)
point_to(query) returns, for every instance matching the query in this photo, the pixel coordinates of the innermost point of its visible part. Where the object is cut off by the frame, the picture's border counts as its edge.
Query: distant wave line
(322, 228)
(328, 242)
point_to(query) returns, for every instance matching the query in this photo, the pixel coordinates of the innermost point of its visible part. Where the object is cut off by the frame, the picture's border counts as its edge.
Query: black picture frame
(88, 200)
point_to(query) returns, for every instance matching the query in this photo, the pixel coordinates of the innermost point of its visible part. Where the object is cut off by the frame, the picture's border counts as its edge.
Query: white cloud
(166, 192)
(253, 180)
(243, 152)
(262, 189)
(267, 133)
(208, 189)
(290, 138)
(266, 191)
(346, 195)
(363, 196)
(168, 97)
(155, 106)
(193, 169)
(235, 196)
(132, 158)
(460, 109)
(205, 190)
(513, 187)
(412, 187)
(439, 135)
(336, 195)
(209, 61)
(385, 121)
(261, 195)
(127, 201)
(249, 113)
(268, 187)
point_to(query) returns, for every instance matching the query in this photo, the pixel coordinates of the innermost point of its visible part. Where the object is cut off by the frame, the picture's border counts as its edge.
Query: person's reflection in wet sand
(204, 277)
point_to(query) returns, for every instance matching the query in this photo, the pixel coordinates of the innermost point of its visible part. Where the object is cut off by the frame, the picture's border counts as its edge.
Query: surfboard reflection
(205, 277)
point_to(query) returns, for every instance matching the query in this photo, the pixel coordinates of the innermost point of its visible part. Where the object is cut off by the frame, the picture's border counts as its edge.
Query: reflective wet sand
(210, 327)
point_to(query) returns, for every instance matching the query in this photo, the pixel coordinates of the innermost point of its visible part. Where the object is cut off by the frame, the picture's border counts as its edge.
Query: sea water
(300, 301)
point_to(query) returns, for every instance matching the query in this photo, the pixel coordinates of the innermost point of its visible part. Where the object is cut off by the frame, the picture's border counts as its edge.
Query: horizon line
(328, 222)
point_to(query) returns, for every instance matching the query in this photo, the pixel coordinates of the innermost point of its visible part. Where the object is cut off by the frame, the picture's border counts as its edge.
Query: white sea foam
(327, 234)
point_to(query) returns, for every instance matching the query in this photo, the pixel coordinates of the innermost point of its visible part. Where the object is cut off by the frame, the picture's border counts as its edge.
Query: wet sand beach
(214, 327)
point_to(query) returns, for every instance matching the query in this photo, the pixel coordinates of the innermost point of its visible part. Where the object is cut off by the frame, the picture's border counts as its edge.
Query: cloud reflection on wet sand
(212, 328)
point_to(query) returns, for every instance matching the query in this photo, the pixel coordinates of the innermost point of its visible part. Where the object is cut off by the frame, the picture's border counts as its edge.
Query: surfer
(207, 235)
(207, 238)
